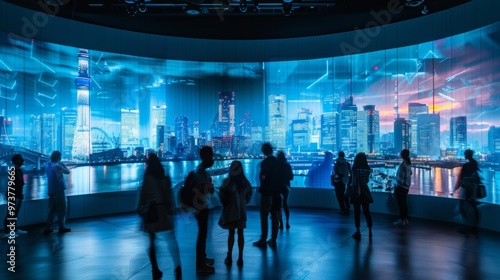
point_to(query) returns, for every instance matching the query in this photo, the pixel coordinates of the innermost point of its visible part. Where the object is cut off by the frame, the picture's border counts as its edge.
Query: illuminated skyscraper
(226, 113)
(458, 134)
(158, 117)
(181, 129)
(81, 144)
(196, 130)
(494, 139)
(302, 129)
(245, 126)
(349, 127)
(327, 101)
(191, 149)
(49, 133)
(402, 138)
(414, 109)
(35, 140)
(129, 130)
(5, 126)
(372, 129)
(68, 127)
(6, 131)
(171, 144)
(396, 103)
(300, 134)
(428, 134)
(327, 137)
(330, 122)
(277, 121)
(160, 137)
(257, 134)
(362, 133)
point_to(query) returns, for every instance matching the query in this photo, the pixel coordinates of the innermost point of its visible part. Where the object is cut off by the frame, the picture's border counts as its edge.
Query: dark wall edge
(23, 23)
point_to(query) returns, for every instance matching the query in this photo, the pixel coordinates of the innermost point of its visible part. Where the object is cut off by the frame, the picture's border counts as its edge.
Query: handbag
(481, 191)
(480, 187)
(148, 213)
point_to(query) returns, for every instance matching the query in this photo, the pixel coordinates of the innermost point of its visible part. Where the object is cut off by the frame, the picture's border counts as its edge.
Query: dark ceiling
(227, 19)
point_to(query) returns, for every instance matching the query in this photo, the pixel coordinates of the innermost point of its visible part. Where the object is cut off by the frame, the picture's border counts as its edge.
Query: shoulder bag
(148, 213)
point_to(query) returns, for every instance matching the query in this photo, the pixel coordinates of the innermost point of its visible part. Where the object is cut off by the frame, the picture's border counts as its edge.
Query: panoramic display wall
(435, 98)
(85, 102)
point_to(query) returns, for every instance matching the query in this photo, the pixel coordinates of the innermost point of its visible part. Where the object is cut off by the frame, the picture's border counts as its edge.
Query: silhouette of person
(56, 185)
(359, 193)
(204, 187)
(319, 174)
(285, 176)
(16, 184)
(270, 198)
(467, 182)
(340, 177)
(403, 179)
(235, 193)
(156, 192)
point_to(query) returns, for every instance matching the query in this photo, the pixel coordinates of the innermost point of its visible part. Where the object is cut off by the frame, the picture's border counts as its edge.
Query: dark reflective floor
(317, 246)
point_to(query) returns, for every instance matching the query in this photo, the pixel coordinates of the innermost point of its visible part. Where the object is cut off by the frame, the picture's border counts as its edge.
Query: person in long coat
(235, 193)
(359, 193)
(156, 192)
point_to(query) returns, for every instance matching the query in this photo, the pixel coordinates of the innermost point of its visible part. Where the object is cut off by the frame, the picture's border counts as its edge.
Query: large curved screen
(106, 111)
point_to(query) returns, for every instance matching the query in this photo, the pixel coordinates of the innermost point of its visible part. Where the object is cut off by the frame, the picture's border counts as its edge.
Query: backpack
(189, 192)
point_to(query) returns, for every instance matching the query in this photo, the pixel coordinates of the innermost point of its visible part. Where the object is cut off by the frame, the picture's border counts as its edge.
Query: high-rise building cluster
(338, 126)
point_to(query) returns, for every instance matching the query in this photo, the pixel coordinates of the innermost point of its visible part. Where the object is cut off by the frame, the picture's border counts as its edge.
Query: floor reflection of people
(361, 267)
(470, 260)
(320, 172)
(402, 255)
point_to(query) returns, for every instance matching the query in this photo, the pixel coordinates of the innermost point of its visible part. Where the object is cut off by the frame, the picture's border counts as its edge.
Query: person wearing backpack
(285, 176)
(204, 186)
(340, 177)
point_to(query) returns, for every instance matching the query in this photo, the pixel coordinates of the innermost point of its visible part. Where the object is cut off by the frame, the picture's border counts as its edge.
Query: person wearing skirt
(235, 193)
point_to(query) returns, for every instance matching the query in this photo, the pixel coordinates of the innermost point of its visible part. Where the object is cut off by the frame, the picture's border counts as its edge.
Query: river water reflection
(128, 176)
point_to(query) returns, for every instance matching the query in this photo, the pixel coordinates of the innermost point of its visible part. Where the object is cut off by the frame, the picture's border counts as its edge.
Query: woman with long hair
(234, 195)
(286, 175)
(156, 192)
(403, 179)
(359, 193)
(467, 182)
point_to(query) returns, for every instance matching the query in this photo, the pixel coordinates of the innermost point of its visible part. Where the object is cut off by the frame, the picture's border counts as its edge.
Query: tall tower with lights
(415, 109)
(458, 134)
(158, 118)
(372, 129)
(277, 120)
(81, 144)
(226, 113)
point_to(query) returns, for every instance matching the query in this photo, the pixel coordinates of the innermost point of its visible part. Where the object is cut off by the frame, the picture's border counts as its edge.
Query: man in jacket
(56, 185)
(270, 198)
(340, 177)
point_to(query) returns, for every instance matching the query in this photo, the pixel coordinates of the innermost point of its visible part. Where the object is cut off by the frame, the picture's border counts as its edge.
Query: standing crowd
(157, 202)
(235, 193)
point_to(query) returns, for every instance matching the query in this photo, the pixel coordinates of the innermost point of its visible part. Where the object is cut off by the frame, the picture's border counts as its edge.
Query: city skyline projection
(435, 98)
